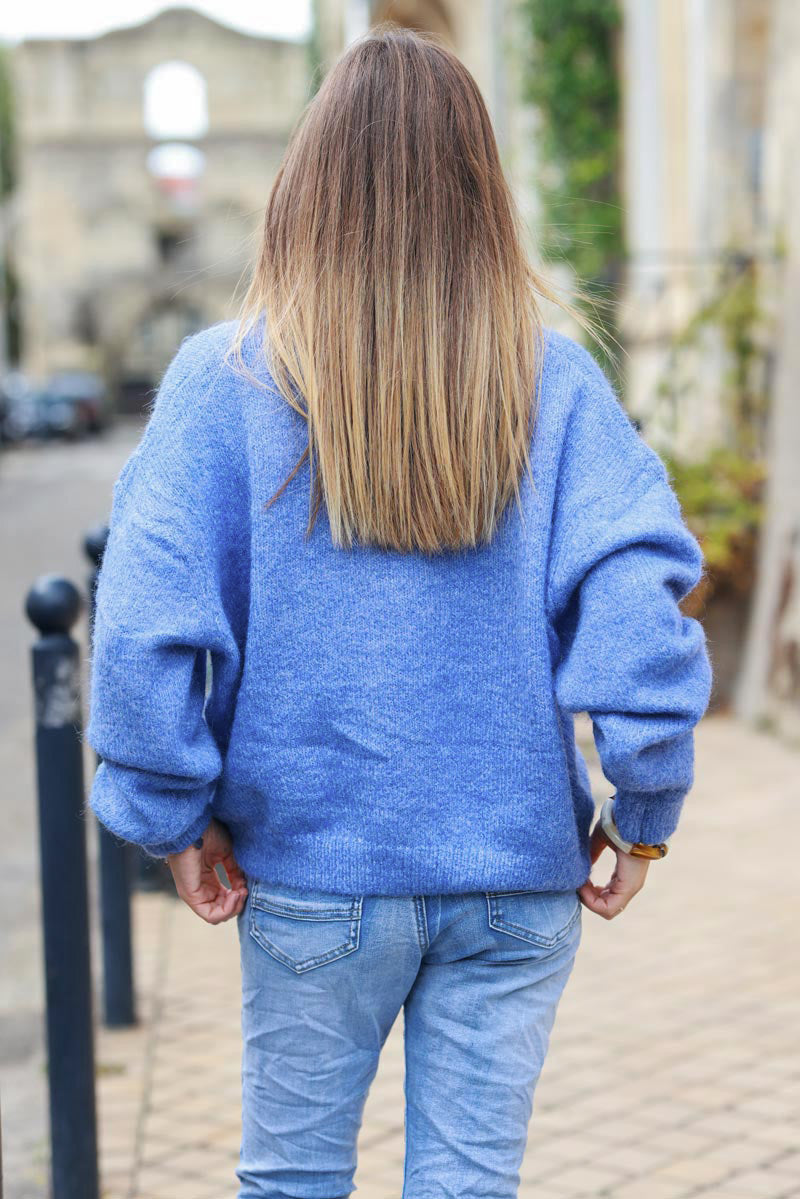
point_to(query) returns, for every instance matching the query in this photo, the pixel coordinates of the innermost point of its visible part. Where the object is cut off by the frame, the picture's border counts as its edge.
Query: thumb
(234, 872)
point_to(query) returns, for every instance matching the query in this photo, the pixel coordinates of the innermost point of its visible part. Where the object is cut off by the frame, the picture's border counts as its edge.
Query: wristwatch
(637, 849)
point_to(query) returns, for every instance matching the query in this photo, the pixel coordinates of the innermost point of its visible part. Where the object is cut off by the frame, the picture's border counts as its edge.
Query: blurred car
(39, 413)
(15, 409)
(86, 392)
(70, 405)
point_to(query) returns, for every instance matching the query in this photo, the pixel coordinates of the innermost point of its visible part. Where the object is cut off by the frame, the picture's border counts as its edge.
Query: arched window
(176, 107)
(177, 171)
(175, 102)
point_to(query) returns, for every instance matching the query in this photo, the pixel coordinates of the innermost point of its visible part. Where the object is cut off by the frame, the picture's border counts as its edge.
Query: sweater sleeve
(622, 559)
(171, 591)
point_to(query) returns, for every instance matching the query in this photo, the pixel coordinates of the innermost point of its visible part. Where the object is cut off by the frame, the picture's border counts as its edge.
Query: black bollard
(53, 606)
(115, 867)
(143, 872)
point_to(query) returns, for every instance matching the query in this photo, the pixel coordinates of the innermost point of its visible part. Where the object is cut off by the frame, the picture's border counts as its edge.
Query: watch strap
(637, 849)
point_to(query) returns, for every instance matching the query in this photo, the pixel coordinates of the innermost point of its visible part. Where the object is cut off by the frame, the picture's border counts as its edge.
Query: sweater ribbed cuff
(182, 842)
(647, 816)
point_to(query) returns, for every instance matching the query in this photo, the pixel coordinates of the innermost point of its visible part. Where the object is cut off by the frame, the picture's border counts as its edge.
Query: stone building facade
(115, 262)
(695, 192)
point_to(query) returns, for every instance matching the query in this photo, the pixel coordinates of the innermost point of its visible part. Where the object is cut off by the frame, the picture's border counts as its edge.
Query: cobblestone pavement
(50, 495)
(674, 1068)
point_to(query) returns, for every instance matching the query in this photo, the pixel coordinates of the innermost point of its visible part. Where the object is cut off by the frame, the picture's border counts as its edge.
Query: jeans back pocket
(544, 918)
(303, 928)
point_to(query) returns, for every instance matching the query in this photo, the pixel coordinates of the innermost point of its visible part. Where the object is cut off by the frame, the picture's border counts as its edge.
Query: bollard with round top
(53, 605)
(115, 862)
(94, 544)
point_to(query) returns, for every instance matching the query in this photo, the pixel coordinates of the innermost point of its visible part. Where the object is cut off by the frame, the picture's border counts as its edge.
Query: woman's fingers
(211, 900)
(626, 881)
(227, 903)
(197, 881)
(234, 872)
(226, 907)
(602, 901)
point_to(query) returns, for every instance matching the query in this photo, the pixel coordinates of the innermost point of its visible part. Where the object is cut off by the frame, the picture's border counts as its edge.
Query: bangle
(637, 849)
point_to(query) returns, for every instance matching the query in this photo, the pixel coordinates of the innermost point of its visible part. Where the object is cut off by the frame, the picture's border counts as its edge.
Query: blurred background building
(144, 159)
(145, 156)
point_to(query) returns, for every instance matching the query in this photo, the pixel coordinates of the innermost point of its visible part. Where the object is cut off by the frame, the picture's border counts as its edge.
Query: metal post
(53, 605)
(115, 865)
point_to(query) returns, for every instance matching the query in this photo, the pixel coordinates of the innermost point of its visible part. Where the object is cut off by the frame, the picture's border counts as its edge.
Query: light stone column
(644, 195)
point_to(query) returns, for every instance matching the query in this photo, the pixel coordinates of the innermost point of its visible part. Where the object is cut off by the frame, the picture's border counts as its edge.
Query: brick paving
(673, 1071)
(50, 495)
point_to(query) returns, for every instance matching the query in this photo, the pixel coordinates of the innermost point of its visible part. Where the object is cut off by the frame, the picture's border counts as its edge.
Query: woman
(415, 532)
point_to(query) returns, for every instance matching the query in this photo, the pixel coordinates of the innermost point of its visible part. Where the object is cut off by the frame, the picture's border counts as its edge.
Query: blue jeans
(323, 978)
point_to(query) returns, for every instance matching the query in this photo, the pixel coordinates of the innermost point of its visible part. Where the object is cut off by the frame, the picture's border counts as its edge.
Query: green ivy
(8, 163)
(573, 82)
(721, 498)
(735, 313)
(7, 130)
(721, 495)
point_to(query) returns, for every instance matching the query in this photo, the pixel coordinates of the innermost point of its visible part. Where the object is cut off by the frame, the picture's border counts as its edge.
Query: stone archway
(138, 357)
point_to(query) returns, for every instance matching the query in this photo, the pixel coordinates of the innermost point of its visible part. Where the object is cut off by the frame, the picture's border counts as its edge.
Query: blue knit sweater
(379, 722)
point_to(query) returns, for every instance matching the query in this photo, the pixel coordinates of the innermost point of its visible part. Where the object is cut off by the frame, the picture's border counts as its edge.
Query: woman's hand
(198, 883)
(626, 881)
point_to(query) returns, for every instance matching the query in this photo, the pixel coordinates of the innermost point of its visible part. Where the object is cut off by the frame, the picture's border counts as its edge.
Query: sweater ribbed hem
(340, 867)
(109, 801)
(647, 816)
(184, 841)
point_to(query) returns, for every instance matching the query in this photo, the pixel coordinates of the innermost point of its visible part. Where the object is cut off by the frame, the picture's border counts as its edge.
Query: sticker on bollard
(58, 698)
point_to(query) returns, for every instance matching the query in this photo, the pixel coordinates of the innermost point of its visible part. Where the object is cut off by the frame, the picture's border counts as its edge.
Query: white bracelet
(609, 827)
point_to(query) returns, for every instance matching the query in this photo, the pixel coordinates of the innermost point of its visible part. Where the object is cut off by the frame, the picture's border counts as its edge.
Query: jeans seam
(311, 963)
(422, 922)
(500, 922)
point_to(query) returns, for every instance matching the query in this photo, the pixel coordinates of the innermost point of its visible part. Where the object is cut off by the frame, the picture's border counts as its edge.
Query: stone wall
(115, 265)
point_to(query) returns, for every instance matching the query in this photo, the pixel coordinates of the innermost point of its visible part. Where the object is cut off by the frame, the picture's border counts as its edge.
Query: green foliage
(573, 82)
(734, 313)
(8, 279)
(721, 498)
(721, 495)
(314, 51)
(7, 149)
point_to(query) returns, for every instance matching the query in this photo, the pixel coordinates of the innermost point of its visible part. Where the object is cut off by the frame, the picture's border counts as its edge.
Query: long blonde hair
(399, 306)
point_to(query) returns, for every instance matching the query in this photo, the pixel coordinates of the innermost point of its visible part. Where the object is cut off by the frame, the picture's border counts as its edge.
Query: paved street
(674, 1068)
(49, 496)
